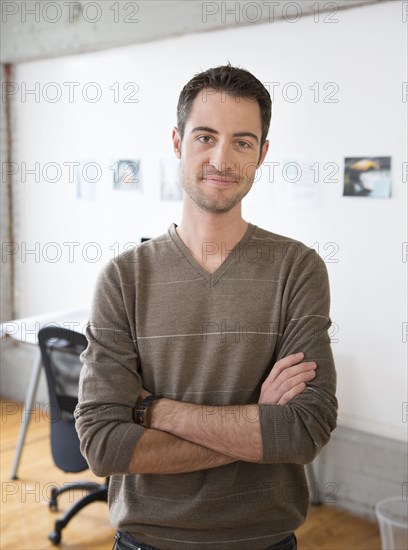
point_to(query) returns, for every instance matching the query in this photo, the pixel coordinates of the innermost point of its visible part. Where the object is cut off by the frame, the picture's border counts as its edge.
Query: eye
(205, 139)
(244, 144)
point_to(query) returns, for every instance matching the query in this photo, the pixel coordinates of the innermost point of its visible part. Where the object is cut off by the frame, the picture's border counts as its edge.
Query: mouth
(219, 181)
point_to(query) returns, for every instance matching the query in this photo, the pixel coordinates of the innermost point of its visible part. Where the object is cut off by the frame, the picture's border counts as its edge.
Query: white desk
(26, 331)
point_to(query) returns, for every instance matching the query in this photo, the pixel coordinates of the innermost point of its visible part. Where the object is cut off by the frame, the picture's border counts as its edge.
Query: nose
(222, 158)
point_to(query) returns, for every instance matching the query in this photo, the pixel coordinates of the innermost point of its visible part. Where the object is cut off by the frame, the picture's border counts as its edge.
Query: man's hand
(287, 379)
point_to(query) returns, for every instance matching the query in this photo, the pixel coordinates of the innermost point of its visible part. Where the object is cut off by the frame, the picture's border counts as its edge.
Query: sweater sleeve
(109, 381)
(295, 432)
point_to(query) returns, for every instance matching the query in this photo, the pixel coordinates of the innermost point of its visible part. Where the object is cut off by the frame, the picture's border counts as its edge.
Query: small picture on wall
(127, 175)
(170, 187)
(88, 174)
(367, 177)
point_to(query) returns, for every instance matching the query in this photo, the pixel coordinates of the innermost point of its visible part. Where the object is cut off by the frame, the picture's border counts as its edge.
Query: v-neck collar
(211, 278)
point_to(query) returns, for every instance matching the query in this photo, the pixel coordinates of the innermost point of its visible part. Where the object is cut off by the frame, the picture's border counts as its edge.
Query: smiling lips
(219, 180)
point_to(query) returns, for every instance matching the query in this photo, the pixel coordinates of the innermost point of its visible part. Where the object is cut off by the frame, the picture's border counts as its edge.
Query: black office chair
(60, 351)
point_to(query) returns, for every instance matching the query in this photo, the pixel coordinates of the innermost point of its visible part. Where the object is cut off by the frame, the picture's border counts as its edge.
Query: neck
(211, 236)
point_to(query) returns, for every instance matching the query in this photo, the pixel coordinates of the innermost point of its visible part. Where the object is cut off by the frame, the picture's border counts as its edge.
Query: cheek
(192, 154)
(248, 170)
(190, 165)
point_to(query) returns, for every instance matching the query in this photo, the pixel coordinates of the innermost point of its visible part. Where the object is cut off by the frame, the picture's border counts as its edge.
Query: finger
(291, 372)
(288, 396)
(273, 392)
(288, 373)
(292, 382)
(285, 363)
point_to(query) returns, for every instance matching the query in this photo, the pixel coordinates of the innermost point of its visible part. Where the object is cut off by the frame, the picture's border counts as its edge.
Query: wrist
(160, 410)
(142, 411)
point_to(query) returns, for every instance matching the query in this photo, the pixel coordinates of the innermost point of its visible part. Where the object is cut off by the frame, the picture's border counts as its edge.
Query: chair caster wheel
(55, 537)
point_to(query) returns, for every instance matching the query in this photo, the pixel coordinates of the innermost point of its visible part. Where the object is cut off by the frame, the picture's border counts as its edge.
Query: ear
(264, 150)
(176, 142)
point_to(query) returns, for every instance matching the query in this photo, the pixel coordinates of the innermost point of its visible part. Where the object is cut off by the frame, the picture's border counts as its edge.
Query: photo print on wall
(127, 175)
(88, 174)
(367, 177)
(303, 189)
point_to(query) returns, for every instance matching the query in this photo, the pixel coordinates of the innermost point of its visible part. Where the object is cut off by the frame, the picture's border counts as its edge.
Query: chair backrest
(60, 351)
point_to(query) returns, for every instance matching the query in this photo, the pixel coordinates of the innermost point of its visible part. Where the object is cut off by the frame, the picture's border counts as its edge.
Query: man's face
(220, 151)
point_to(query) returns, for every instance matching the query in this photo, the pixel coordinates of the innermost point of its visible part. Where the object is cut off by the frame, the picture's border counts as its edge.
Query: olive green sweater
(160, 320)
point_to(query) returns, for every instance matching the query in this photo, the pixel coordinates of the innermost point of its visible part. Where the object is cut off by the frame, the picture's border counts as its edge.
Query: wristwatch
(142, 412)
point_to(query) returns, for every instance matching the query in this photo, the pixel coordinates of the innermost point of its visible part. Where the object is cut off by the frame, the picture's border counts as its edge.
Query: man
(209, 380)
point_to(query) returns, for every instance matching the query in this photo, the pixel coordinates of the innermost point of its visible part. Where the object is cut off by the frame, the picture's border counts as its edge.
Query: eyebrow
(212, 131)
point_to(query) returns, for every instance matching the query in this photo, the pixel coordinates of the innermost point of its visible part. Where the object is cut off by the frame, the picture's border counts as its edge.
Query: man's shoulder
(264, 234)
(127, 263)
(135, 253)
(276, 240)
(285, 251)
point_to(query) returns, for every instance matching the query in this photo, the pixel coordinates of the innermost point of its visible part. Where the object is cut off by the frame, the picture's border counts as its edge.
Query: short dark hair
(230, 80)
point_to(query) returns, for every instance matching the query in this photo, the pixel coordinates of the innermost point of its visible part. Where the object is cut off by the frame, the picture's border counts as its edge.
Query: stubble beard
(195, 188)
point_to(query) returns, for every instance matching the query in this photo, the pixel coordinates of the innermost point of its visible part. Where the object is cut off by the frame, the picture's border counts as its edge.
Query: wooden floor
(26, 519)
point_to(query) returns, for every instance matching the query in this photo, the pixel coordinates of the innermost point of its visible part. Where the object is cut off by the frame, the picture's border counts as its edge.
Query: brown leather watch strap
(142, 411)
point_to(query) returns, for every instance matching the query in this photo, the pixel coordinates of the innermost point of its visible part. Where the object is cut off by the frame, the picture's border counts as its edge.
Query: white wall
(363, 53)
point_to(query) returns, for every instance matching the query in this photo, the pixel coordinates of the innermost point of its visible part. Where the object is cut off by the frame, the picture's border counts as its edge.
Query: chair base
(97, 492)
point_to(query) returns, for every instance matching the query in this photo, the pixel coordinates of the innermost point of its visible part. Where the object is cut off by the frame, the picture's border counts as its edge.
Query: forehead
(217, 109)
